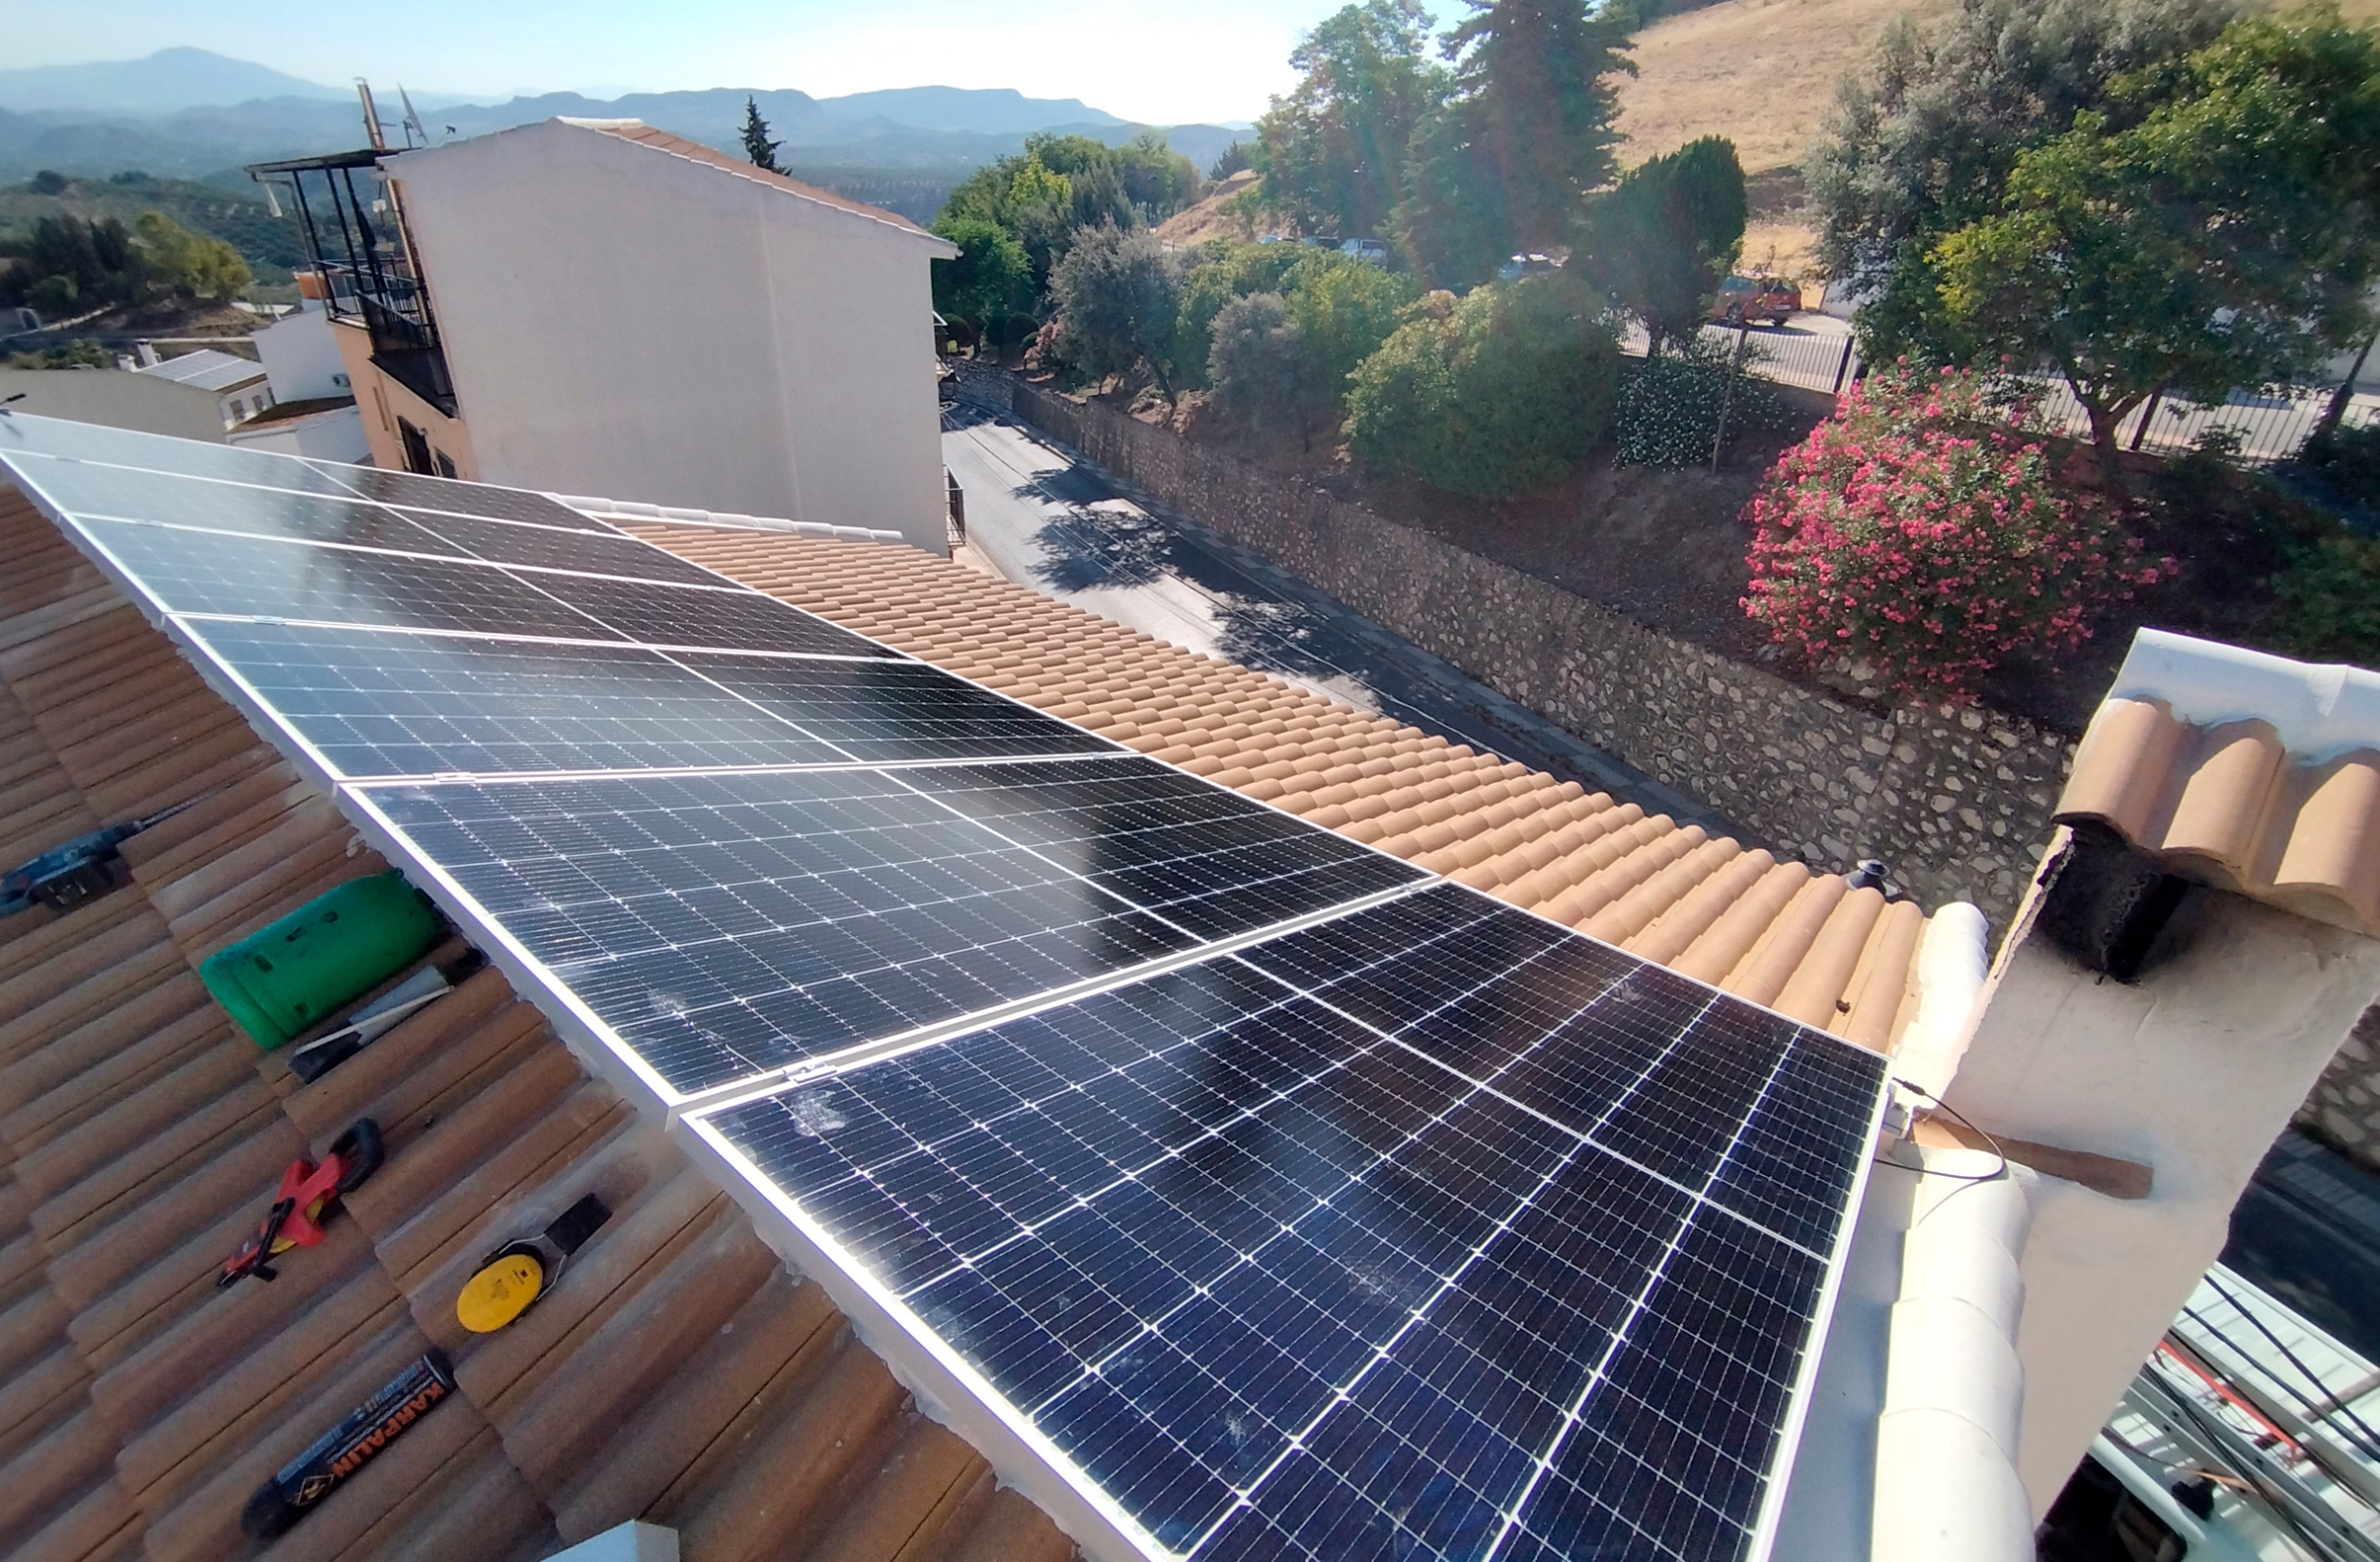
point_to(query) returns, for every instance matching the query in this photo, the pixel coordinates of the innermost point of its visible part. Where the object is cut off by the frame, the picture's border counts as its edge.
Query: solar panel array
(1284, 1199)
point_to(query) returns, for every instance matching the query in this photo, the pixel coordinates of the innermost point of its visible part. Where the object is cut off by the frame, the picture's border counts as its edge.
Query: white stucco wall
(300, 357)
(335, 435)
(118, 400)
(2192, 1071)
(623, 321)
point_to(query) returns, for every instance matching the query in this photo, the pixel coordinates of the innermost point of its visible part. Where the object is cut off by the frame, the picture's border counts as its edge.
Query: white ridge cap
(2319, 710)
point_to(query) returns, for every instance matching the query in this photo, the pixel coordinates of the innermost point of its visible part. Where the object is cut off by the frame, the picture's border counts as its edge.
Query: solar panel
(1273, 1198)
(513, 542)
(885, 711)
(58, 439)
(88, 490)
(1210, 860)
(459, 499)
(1278, 1281)
(212, 572)
(379, 703)
(784, 917)
(330, 515)
(672, 615)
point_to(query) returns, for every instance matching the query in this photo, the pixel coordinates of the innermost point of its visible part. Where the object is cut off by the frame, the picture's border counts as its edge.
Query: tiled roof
(662, 140)
(1803, 943)
(2285, 810)
(680, 1374)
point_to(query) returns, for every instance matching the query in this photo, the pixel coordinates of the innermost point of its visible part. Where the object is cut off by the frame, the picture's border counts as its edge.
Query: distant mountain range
(186, 112)
(168, 79)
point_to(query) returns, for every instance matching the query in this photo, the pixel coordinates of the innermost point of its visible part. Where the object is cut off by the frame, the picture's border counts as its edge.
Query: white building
(116, 398)
(300, 356)
(240, 386)
(594, 306)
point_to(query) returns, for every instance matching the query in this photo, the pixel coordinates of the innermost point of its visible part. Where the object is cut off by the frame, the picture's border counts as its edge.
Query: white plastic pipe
(1951, 962)
(1947, 1489)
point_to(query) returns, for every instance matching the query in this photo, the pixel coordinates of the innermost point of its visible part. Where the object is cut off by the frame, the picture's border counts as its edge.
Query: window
(417, 448)
(444, 463)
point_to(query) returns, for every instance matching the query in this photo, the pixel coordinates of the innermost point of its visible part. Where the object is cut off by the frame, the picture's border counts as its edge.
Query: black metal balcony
(355, 237)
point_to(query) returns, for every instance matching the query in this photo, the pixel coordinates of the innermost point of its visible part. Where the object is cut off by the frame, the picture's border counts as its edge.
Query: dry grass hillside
(1763, 72)
(1211, 217)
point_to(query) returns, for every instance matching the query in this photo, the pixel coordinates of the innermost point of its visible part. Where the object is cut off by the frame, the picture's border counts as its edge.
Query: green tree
(1499, 393)
(2225, 238)
(1260, 369)
(186, 263)
(1119, 294)
(1157, 179)
(1060, 185)
(1507, 163)
(1662, 241)
(1925, 143)
(1334, 150)
(1343, 310)
(762, 151)
(991, 282)
(757, 143)
(68, 264)
(1217, 272)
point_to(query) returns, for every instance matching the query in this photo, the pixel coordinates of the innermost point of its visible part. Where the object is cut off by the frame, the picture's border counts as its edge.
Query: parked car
(1371, 250)
(1742, 298)
(1520, 266)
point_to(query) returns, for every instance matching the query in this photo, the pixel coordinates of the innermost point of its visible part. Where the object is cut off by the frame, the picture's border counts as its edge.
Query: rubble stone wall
(1956, 802)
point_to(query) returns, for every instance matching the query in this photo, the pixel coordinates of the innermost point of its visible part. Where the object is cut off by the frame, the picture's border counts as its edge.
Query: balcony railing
(354, 234)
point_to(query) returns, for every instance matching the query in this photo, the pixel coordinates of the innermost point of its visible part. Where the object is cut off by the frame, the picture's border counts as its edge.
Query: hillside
(1763, 72)
(233, 212)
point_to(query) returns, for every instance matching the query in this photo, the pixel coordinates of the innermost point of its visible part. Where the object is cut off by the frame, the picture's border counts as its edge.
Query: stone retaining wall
(1956, 802)
(2345, 1108)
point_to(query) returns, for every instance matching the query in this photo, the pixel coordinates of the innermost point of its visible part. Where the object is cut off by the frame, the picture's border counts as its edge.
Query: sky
(1207, 61)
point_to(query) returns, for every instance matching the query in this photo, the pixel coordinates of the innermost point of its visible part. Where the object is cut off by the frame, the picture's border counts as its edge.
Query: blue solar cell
(1253, 1248)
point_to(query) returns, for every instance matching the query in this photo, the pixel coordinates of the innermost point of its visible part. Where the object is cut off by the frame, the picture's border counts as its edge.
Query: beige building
(594, 306)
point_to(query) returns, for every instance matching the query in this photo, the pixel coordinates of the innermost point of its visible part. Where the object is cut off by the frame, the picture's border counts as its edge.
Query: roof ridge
(642, 134)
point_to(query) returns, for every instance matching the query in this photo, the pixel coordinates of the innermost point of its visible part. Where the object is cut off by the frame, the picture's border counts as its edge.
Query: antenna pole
(371, 116)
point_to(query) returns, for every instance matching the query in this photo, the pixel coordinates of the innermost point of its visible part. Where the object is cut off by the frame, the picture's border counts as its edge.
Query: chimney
(146, 352)
(2202, 934)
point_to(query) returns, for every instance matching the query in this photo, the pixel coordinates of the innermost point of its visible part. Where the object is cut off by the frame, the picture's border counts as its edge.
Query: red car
(1742, 298)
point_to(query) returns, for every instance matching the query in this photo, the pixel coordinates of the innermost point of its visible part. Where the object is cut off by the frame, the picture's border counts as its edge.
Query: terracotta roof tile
(2227, 805)
(683, 1375)
(1768, 930)
(2243, 770)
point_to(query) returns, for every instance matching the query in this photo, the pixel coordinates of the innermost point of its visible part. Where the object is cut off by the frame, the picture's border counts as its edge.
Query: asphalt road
(1046, 521)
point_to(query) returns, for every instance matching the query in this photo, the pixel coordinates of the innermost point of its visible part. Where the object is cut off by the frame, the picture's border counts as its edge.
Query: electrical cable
(1938, 1103)
(2367, 1445)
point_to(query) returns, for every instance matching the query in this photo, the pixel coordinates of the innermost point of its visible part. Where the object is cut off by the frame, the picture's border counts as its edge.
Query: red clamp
(308, 1191)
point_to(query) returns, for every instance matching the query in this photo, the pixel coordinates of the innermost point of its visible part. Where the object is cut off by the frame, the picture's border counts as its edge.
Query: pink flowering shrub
(1919, 529)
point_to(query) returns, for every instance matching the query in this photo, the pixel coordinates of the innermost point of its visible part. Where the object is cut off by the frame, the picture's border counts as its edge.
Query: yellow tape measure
(501, 1291)
(510, 1280)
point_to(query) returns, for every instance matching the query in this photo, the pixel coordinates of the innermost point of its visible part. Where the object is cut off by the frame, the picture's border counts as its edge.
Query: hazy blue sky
(1159, 63)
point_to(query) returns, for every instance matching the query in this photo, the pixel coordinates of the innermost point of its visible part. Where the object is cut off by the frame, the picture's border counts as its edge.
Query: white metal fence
(2270, 425)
